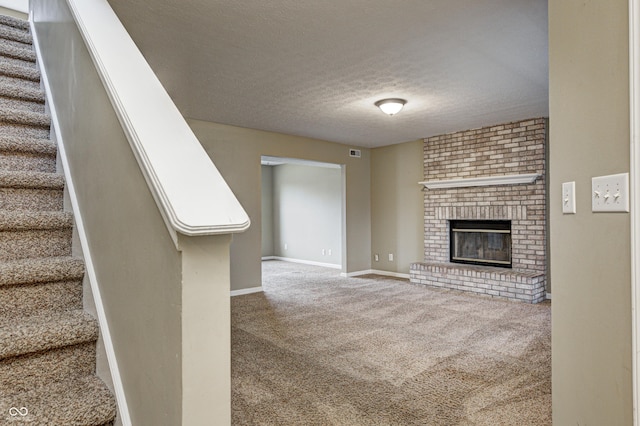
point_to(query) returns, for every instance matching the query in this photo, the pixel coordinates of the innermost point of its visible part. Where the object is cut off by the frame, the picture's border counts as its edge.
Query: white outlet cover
(610, 193)
(569, 198)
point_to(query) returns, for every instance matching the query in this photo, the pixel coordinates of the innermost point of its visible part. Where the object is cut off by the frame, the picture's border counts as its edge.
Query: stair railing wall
(134, 170)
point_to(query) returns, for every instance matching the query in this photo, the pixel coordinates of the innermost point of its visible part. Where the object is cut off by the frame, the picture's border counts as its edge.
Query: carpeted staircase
(47, 340)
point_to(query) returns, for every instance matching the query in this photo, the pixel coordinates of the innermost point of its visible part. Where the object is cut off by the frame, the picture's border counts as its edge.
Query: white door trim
(634, 131)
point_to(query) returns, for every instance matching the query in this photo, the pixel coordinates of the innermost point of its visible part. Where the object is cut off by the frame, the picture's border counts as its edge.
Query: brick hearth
(509, 149)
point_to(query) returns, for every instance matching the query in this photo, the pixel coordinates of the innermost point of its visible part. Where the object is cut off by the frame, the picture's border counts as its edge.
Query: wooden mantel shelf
(481, 181)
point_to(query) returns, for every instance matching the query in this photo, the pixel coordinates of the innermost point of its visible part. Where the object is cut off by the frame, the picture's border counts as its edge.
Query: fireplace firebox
(481, 242)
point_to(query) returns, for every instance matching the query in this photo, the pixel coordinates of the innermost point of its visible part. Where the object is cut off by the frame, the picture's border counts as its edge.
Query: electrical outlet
(324, 252)
(610, 193)
(329, 252)
(286, 246)
(376, 257)
(569, 198)
(390, 257)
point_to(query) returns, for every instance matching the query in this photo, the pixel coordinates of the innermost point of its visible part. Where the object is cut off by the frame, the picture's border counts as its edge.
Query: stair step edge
(17, 23)
(21, 53)
(27, 220)
(84, 400)
(17, 71)
(10, 144)
(12, 33)
(41, 270)
(27, 118)
(31, 180)
(26, 372)
(47, 332)
(18, 92)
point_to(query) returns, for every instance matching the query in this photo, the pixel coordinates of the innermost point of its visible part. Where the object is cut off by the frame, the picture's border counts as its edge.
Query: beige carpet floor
(318, 349)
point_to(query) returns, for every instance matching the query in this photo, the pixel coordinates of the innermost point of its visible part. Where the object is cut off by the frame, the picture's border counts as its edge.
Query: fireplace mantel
(481, 181)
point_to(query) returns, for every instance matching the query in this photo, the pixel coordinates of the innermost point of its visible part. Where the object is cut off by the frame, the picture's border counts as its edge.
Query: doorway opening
(303, 211)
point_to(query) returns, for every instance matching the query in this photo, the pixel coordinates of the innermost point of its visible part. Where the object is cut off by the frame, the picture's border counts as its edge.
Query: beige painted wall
(590, 253)
(307, 213)
(397, 212)
(14, 13)
(236, 152)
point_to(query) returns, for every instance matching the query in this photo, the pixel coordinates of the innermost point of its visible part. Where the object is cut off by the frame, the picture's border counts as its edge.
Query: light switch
(610, 193)
(569, 198)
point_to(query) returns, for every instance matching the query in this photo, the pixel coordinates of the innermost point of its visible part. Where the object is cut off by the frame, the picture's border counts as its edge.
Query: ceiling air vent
(355, 153)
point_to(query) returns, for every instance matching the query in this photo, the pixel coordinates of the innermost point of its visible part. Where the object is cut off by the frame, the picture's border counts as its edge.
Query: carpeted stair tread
(26, 118)
(33, 180)
(45, 332)
(20, 130)
(13, 43)
(18, 81)
(31, 371)
(27, 154)
(27, 145)
(26, 300)
(15, 34)
(15, 91)
(17, 23)
(9, 103)
(23, 221)
(21, 53)
(11, 32)
(48, 269)
(78, 401)
(31, 191)
(18, 62)
(17, 71)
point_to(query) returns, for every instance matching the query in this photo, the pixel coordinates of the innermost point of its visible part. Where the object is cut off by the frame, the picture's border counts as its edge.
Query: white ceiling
(315, 68)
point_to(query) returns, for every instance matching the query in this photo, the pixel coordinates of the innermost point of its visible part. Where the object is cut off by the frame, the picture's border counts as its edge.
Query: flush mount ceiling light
(390, 106)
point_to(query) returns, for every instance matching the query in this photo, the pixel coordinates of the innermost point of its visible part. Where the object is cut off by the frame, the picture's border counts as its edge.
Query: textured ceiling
(315, 68)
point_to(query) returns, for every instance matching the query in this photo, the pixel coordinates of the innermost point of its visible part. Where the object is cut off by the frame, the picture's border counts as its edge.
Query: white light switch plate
(569, 198)
(610, 193)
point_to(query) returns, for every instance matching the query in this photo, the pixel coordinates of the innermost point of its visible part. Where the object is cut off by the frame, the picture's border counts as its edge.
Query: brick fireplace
(489, 174)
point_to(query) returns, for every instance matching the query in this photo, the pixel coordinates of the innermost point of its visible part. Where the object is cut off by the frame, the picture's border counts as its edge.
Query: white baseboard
(305, 262)
(246, 291)
(390, 274)
(356, 274)
(123, 410)
(548, 296)
(376, 272)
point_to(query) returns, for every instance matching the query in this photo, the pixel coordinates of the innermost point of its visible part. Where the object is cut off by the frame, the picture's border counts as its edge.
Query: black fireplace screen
(481, 242)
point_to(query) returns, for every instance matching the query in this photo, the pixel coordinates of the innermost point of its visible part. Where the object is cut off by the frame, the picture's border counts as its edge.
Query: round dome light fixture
(390, 106)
